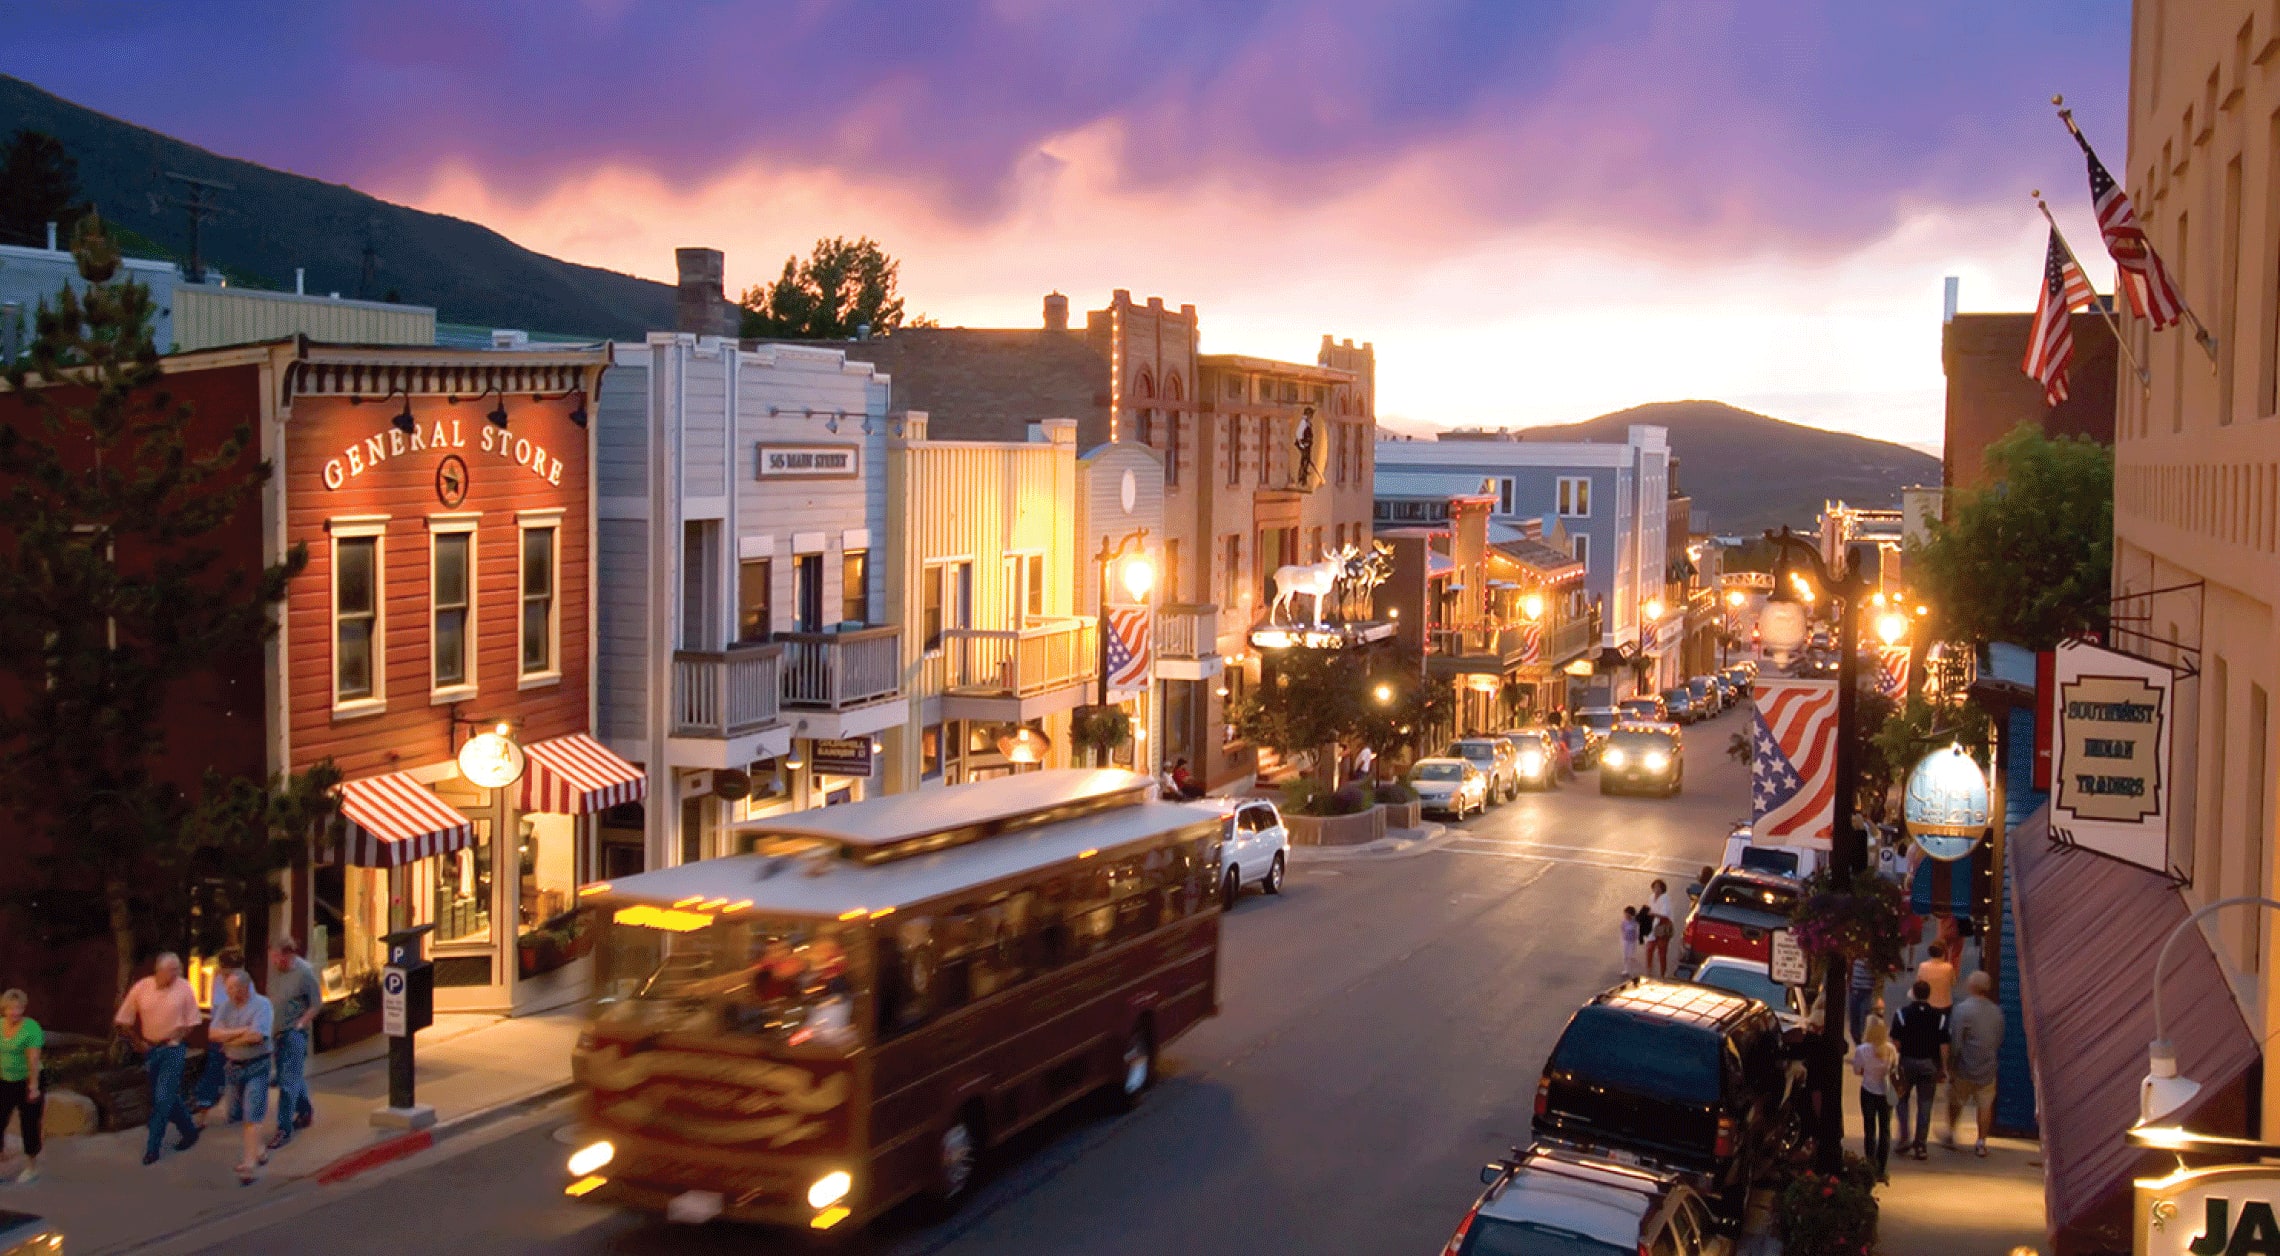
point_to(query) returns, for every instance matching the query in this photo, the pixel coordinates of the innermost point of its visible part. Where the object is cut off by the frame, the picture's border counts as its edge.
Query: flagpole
(2201, 333)
(2104, 311)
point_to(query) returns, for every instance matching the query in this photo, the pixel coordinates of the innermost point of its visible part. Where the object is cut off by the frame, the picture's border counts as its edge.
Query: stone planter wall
(1403, 815)
(1353, 830)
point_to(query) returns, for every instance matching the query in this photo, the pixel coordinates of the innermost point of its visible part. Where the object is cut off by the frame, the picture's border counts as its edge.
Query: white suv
(1254, 847)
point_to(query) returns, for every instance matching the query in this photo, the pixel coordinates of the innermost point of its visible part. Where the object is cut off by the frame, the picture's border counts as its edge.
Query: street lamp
(1532, 606)
(1383, 693)
(1653, 609)
(1891, 626)
(1735, 598)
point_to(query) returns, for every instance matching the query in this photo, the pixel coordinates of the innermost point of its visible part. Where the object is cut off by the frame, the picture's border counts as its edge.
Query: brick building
(1988, 395)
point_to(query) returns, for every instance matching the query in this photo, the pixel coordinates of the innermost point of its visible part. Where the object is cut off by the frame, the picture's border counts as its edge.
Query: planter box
(1353, 830)
(122, 1096)
(332, 1035)
(1403, 815)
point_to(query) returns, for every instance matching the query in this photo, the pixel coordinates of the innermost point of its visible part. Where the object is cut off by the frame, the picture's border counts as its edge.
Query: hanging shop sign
(2111, 736)
(491, 760)
(2228, 1211)
(841, 756)
(1947, 805)
(438, 435)
(809, 462)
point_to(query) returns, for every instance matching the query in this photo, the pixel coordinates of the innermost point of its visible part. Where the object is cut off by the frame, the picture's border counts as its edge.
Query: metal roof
(1392, 482)
(903, 817)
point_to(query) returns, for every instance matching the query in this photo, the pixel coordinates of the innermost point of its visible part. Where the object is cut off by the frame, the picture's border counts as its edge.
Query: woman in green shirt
(20, 1043)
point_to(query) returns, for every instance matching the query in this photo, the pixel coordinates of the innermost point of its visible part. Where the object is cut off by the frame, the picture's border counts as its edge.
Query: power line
(200, 203)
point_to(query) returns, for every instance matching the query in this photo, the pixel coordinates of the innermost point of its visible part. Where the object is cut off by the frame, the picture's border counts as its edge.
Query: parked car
(1647, 706)
(1535, 759)
(1452, 787)
(1561, 1203)
(1707, 696)
(1680, 703)
(1494, 756)
(1743, 677)
(1643, 757)
(1736, 915)
(22, 1234)
(1672, 1076)
(1754, 981)
(1600, 719)
(1729, 692)
(1254, 846)
(1583, 745)
(1743, 852)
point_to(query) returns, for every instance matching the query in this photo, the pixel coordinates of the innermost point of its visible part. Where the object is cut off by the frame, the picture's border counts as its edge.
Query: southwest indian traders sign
(437, 435)
(2111, 735)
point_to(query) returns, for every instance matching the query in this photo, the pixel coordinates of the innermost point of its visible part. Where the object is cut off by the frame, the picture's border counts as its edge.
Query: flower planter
(1353, 830)
(335, 1034)
(1403, 815)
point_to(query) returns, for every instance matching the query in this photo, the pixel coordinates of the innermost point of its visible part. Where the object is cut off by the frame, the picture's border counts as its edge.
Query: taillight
(1543, 1095)
(1725, 1146)
(1457, 1240)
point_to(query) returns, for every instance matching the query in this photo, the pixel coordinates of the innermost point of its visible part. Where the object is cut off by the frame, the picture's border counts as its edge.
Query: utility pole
(199, 203)
(371, 269)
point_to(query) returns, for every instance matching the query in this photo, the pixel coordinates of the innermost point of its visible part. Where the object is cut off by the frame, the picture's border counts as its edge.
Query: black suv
(1673, 1076)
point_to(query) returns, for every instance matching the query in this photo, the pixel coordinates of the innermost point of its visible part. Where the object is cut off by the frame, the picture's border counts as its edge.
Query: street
(1381, 1030)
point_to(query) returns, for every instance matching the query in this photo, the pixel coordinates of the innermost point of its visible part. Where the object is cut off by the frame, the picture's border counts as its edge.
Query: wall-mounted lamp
(498, 414)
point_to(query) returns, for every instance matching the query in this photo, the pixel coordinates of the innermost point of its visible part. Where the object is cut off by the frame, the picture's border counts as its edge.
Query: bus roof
(838, 888)
(930, 819)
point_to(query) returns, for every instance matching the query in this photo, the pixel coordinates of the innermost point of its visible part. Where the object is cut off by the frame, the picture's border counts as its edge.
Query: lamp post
(1848, 853)
(1139, 576)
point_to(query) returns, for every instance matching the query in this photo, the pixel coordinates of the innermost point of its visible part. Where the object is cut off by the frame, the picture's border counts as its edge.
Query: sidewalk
(106, 1200)
(1954, 1201)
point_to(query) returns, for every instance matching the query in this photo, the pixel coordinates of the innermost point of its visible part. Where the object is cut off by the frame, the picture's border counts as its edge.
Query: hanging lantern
(1948, 807)
(1781, 628)
(1024, 745)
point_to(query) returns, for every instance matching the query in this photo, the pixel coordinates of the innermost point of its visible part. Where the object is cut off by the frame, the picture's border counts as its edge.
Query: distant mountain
(1749, 472)
(274, 221)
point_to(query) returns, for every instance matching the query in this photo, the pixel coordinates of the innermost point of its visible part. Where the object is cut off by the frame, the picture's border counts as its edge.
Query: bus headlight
(1656, 761)
(591, 1157)
(830, 1188)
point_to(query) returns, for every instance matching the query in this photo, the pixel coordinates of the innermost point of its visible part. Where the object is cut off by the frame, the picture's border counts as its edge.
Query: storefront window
(356, 612)
(450, 598)
(537, 601)
(463, 889)
(549, 932)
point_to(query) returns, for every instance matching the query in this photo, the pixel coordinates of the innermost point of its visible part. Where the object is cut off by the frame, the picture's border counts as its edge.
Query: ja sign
(2225, 1211)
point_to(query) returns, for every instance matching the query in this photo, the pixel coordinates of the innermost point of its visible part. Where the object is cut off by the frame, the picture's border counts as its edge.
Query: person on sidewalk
(295, 996)
(1630, 941)
(21, 1040)
(158, 1014)
(1938, 972)
(1876, 1060)
(208, 1091)
(1658, 944)
(1861, 988)
(244, 1025)
(1975, 1032)
(1920, 1031)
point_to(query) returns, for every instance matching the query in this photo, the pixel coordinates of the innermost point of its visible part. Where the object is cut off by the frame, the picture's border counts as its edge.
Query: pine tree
(39, 184)
(114, 590)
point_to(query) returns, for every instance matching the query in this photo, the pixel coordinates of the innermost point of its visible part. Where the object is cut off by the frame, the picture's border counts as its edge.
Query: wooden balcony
(1476, 651)
(1187, 631)
(1015, 674)
(1570, 638)
(726, 694)
(833, 671)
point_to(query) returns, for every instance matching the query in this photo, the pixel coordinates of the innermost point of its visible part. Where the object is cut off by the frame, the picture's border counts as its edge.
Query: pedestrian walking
(208, 1091)
(1860, 986)
(1938, 972)
(244, 1025)
(1975, 1032)
(21, 1041)
(158, 1014)
(1920, 1031)
(1876, 1060)
(295, 998)
(1658, 947)
(1630, 941)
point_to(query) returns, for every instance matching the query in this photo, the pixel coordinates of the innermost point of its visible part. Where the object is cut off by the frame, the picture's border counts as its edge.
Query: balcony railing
(1702, 604)
(1571, 637)
(831, 671)
(726, 693)
(1187, 631)
(1019, 662)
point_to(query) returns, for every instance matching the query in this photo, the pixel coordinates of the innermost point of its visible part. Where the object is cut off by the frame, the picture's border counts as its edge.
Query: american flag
(2138, 268)
(1531, 643)
(1128, 647)
(1892, 670)
(1793, 772)
(2050, 342)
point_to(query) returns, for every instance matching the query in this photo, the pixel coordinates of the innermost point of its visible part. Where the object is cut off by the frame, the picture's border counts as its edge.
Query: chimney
(1056, 312)
(51, 238)
(300, 281)
(702, 309)
(1057, 431)
(1947, 309)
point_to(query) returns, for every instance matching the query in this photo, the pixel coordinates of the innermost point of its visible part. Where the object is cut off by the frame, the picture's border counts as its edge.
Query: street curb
(1382, 848)
(373, 1156)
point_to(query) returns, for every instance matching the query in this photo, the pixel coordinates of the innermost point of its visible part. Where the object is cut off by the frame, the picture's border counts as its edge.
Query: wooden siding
(621, 570)
(1101, 516)
(704, 430)
(795, 381)
(621, 430)
(412, 730)
(205, 317)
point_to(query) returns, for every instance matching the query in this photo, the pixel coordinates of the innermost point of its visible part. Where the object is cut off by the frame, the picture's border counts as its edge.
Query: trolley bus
(856, 1011)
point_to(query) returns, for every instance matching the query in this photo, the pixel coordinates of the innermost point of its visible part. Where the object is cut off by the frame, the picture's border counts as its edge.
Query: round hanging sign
(491, 760)
(1947, 805)
(1129, 491)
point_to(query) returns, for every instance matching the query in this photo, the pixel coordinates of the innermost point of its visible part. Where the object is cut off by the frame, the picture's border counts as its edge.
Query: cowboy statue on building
(1304, 444)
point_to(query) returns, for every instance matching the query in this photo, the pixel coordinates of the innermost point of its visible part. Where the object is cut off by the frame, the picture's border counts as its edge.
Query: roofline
(1306, 370)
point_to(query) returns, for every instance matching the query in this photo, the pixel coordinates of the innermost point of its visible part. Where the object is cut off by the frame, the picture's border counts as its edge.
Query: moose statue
(1347, 570)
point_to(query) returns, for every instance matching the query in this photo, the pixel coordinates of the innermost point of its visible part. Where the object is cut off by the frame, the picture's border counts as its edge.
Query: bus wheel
(1231, 891)
(1139, 1066)
(959, 1153)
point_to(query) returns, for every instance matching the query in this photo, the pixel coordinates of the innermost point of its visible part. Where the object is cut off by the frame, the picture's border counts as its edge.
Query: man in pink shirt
(157, 1017)
(1938, 972)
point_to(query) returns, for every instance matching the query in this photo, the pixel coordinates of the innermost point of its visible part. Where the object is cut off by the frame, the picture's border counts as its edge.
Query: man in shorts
(243, 1027)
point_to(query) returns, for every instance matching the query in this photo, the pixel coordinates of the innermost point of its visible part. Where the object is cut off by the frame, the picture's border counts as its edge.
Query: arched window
(1175, 419)
(1143, 414)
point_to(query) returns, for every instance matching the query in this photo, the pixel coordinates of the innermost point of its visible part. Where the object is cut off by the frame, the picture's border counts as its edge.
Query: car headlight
(591, 1157)
(830, 1188)
(1532, 764)
(1656, 761)
(1615, 758)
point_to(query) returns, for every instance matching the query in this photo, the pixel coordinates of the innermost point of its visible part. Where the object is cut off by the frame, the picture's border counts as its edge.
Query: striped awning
(392, 820)
(576, 775)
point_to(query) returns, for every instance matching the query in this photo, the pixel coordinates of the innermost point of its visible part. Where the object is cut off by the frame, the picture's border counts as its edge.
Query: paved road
(1383, 1024)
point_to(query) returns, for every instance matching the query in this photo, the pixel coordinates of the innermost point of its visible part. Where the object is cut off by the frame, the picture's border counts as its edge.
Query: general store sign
(2228, 1211)
(2111, 743)
(439, 435)
(810, 462)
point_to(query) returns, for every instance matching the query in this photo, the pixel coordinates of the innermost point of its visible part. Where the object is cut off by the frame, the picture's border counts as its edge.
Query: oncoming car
(1536, 761)
(1643, 757)
(1451, 787)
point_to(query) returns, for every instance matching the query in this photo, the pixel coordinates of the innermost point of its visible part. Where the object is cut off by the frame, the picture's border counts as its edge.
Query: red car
(1736, 915)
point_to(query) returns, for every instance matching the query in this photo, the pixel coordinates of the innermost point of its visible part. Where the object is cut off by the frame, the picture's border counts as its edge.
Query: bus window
(999, 957)
(789, 980)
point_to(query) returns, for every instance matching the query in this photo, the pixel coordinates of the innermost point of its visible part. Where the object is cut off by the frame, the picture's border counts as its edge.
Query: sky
(1537, 210)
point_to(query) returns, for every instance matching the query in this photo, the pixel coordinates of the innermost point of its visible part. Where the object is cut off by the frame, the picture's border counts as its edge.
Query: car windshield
(1601, 720)
(791, 980)
(1639, 741)
(1477, 751)
(1491, 1237)
(1437, 772)
(1749, 896)
(1576, 736)
(1658, 1059)
(1745, 981)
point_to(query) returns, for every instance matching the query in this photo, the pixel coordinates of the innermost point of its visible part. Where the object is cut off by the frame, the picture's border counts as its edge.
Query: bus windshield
(791, 981)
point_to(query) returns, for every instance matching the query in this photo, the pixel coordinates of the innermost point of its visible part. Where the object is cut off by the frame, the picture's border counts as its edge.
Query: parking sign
(392, 987)
(1787, 964)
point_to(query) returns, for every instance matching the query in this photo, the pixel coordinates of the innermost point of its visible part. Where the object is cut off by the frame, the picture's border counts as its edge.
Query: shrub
(1349, 800)
(1830, 1214)
(1300, 795)
(1395, 792)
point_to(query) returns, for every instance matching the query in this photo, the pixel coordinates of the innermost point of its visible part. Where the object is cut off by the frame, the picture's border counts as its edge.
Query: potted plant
(1856, 918)
(351, 1018)
(1099, 729)
(1830, 1214)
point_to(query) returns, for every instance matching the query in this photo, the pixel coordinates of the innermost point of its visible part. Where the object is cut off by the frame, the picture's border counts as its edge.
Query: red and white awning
(393, 820)
(576, 775)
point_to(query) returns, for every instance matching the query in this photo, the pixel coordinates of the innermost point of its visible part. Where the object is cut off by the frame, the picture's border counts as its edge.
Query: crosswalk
(1551, 852)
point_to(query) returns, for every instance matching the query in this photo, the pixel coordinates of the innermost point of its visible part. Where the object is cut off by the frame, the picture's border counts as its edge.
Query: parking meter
(407, 1006)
